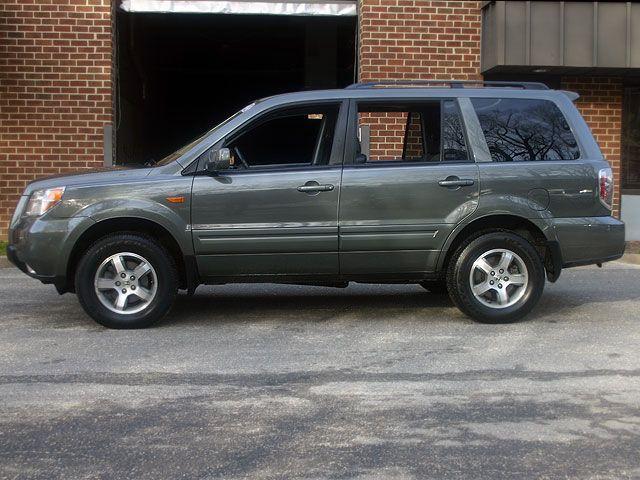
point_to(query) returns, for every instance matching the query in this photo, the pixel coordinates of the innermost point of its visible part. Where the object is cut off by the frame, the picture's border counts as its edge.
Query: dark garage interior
(178, 75)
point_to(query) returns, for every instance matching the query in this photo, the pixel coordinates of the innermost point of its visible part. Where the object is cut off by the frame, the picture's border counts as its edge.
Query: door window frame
(336, 155)
(350, 148)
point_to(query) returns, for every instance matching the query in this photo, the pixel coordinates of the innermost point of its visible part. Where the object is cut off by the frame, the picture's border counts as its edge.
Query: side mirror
(219, 160)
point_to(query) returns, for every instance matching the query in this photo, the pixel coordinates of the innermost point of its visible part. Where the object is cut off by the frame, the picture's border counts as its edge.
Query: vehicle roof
(559, 97)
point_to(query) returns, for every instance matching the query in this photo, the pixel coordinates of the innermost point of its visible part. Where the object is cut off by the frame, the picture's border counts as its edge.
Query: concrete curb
(4, 262)
(633, 258)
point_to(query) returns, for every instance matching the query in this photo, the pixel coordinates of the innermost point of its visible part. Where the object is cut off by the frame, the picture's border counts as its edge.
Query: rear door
(275, 212)
(408, 180)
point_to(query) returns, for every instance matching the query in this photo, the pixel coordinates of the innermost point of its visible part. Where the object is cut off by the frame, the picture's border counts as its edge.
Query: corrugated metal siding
(560, 34)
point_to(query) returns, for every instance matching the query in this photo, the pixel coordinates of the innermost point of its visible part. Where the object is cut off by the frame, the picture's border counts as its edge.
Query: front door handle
(315, 187)
(456, 182)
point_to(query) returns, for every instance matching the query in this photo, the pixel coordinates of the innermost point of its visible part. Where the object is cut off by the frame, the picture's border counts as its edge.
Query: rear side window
(521, 130)
(429, 131)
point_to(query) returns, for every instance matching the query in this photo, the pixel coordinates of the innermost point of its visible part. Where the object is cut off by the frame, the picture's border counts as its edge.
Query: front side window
(415, 132)
(520, 130)
(293, 137)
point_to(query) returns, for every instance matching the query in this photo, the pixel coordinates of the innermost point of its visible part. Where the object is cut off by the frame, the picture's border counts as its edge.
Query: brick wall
(600, 104)
(419, 39)
(55, 90)
(415, 39)
(386, 130)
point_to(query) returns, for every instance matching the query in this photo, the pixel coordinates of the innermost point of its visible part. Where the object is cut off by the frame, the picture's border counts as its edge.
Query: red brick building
(84, 82)
(55, 90)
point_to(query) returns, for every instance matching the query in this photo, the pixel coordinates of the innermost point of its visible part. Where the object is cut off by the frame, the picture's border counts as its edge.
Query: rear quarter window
(521, 130)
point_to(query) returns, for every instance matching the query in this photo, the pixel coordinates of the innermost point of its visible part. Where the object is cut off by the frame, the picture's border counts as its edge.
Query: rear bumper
(589, 240)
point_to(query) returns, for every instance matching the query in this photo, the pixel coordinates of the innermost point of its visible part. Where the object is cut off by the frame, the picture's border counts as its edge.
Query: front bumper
(40, 247)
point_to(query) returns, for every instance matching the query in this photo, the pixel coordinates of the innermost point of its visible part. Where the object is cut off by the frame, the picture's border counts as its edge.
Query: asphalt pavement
(372, 381)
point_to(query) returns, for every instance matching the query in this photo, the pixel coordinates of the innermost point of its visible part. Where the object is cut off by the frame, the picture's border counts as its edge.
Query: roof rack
(449, 83)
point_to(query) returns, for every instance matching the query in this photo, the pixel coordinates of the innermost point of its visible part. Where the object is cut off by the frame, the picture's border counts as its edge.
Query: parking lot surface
(372, 381)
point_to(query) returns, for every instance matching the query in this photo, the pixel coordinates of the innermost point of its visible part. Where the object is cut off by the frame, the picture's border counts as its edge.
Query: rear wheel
(496, 277)
(126, 281)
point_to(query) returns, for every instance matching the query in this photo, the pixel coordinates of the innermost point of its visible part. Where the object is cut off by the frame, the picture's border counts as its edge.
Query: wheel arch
(541, 237)
(184, 264)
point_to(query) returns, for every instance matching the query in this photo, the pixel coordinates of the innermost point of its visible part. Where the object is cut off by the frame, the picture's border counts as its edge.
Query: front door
(275, 211)
(408, 181)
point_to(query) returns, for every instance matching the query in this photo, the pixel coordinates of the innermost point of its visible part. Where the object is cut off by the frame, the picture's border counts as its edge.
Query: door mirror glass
(219, 160)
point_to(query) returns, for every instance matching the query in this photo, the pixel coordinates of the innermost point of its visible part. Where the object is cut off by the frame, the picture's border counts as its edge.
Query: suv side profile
(480, 189)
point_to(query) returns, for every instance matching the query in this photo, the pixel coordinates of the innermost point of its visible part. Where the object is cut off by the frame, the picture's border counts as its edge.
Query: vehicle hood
(100, 176)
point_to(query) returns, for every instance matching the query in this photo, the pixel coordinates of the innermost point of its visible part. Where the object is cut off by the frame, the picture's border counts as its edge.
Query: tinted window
(289, 138)
(519, 130)
(453, 143)
(423, 132)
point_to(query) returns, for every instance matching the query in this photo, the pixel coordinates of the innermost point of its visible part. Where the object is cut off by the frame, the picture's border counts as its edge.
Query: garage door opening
(180, 74)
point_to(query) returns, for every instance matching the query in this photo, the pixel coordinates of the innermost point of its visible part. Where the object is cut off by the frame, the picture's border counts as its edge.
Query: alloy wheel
(126, 283)
(498, 278)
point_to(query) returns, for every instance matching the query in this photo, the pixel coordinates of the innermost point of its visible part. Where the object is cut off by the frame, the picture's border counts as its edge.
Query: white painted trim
(630, 215)
(264, 7)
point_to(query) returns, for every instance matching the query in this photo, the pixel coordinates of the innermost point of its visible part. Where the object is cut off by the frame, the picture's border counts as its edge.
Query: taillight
(605, 187)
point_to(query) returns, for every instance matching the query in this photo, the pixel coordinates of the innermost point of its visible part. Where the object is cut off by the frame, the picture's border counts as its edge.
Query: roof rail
(449, 83)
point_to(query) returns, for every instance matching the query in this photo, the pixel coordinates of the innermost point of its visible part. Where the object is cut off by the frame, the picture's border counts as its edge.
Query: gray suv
(479, 189)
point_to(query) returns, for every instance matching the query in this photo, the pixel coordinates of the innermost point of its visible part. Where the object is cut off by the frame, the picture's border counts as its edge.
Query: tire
(132, 301)
(437, 287)
(503, 301)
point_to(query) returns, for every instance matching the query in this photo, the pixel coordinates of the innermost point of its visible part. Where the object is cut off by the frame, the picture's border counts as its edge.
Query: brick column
(419, 39)
(414, 39)
(600, 104)
(55, 90)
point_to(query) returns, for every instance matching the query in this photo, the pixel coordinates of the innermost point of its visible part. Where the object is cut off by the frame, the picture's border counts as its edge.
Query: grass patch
(3, 248)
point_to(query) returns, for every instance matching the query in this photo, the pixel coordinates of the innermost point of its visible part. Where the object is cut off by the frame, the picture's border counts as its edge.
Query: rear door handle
(315, 187)
(455, 182)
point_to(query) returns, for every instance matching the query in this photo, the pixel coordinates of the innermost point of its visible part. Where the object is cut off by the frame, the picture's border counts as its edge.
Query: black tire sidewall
(148, 249)
(464, 297)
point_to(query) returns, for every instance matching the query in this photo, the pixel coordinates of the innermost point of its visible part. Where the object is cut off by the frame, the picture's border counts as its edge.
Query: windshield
(178, 153)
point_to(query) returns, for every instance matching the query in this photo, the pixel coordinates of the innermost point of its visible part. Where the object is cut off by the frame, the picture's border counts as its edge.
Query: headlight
(43, 200)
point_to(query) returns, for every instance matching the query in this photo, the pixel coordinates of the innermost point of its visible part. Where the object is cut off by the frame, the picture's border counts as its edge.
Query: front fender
(174, 220)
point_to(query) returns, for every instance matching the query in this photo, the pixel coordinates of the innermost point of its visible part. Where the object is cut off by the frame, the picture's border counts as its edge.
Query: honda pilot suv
(484, 190)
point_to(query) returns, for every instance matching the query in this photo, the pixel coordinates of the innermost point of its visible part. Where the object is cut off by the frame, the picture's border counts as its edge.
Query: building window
(631, 140)
(520, 130)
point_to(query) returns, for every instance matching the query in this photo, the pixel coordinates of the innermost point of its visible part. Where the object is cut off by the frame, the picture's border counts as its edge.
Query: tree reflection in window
(519, 130)
(454, 147)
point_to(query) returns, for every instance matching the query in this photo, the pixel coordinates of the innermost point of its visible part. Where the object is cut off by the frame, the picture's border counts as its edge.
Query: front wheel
(497, 277)
(126, 281)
